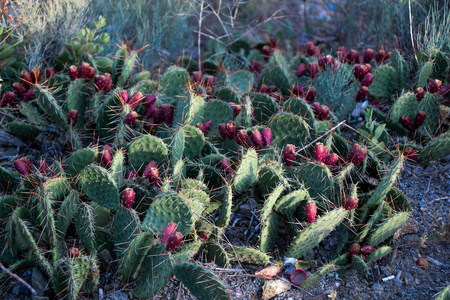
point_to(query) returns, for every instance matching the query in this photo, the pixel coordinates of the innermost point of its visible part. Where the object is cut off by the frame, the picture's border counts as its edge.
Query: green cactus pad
(77, 99)
(314, 233)
(317, 178)
(145, 149)
(384, 81)
(378, 254)
(135, 253)
(269, 177)
(278, 76)
(270, 202)
(69, 275)
(173, 81)
(269, 233)
(244, 118)
(424, 73)
(226, 197)
(359, 265)
(99, 186)
(401, 68)
(127, 68)
(217, 254)
(430, 105)
(141, 76)
(246, 174)
(248, 255)
(169, 207)
(386, 184)
(44, 214)
(126, 229)
(441, 66)
(47, 104)
(194, 141)
(197, 199)
(438, 148)
(146, 87)
(66, 213)
(241, 81)
(228, 95)
(202, 283)
(217, 112)
(189, 110)
(264, 107)
(8, 179)
(80, 159)
(444, 294)
(84, 222)
(288, 128)
(16, 237)
(118, 167)
(397, 200)
(186, 252)
(209, 175)
(388, 228)
(155, 272)
(119, 61)
(299, 106)
(22, 130)
(288, 203)
(110, 115)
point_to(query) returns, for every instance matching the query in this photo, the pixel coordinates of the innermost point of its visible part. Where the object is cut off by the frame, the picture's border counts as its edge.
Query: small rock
(247, 208)
(273, 288)
(117, 296)
(398, 282)
(105, 258)
(39, 283)
(377, 287)
(385, 271)
(408, 278)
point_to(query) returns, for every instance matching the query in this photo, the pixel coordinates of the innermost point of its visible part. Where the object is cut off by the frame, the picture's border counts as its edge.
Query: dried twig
(33, 291)
(325, 134)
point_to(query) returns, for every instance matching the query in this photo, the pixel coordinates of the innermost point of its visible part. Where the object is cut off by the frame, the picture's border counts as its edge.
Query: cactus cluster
(173, 153)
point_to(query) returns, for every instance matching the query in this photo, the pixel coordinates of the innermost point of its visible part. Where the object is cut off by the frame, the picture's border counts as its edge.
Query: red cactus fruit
(298, 277)
(352, 57)
(367, 249)
(108, 147)
(268, 272)
(411, 154)
(289, 154)
(320, 152)
(407, 123)
(210, 81)
(203, 236)
(310, 94)
(73, 252)
(26, 78)
(267, 51)
(106, 158)
(91, 73)
(256, 66)
(124, 96)
(103, 83)
(132, 174)
(311, 211)
(423, 263)
(323, 112)
(257, 138)
(174, 241)
(241, 137)
(369, 68)
(322, 61)
(28, 95)
(168, 111)
(169, 229)
(380, 57)
(43, 167)
(223, 131)
(49, 72)
(250, 142)
(197, 77)
(149, 100)
(362, 93)
(310, 48)
(419, 119)
(73, 72)
(298, 90)
(367, 80)
(445, 91)
(351, 203)
(315, 107)
(135, 100)
(128, 197)
(301, 70)
(267, 136)
(35, 74)
(230, 129)
(357, 154)
(204, 127)
(331, 159)
(19, 89)
(272, 88)
(420, 93)
(130, 118)
(83, 70)
(357, 70)
(263, 89)
(153, 177)
(151, 110)
(354, 249)
(236, 108)
(21, 167)
(433, 85)
(340, 55)
(73, 117)
(225, 164)
(368, 56)
(313, 70)
(330, 60)
(7, 99)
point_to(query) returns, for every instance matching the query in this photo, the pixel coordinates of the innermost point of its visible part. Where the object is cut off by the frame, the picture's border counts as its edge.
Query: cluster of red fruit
(23, 166)
(362, 252)
(255, 140)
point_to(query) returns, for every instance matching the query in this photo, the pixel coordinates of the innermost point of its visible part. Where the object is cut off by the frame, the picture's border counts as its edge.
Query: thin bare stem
(199, 36)
(325, 134)
(33, 291)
